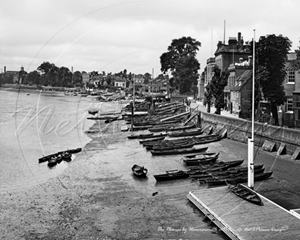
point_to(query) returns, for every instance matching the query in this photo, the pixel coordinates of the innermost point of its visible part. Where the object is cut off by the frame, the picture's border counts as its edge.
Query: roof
(120, 80)
(242, 80)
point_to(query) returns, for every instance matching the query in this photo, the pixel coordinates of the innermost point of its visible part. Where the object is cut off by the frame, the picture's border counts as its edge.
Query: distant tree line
(48, 74)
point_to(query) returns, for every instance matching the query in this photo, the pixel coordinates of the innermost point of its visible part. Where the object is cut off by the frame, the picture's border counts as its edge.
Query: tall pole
(251, 141)
(133, 92)
(133, 103)
(224, 31)
(253, 85)
(152, 81)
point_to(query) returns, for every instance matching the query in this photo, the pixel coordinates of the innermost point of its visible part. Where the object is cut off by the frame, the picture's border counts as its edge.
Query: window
(291, 76)
(289, 104)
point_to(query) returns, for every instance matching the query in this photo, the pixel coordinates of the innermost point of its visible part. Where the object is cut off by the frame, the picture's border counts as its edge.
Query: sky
(113, 35)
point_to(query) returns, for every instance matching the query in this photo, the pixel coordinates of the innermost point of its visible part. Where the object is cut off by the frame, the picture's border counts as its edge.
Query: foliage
(217, 85)
(33, 78)
(181, 61)
(49, 73)
(6, 78)
(77, 79)
(147, 77)
(271, 55)
(64, 77)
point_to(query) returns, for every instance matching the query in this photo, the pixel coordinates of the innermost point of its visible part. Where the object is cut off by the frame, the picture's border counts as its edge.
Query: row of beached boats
(206, 169)
(170, 135)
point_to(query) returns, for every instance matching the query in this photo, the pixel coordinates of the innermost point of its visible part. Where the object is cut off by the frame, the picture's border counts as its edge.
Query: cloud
(121, 34)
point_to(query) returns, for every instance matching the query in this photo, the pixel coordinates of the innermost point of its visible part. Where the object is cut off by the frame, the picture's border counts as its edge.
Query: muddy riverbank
(97, 197)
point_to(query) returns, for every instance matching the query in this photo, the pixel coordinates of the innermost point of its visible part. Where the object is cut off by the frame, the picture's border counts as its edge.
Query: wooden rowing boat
(172, 146)
(139, 171)
(135, 136)
(171, 175)
(52, 156)
(214, 175)
(240, 179)
(178, 151)
(185, 133)
(245, 193)
(200, 159)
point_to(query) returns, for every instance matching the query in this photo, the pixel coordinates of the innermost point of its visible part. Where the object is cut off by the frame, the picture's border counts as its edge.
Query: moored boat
(139, 171)
(172, 147)
(93, 112)
(144, 135)
(151, 141)
(257, 177)
(200, 159)
(240, 179)
(185, 133)
(245, 193)
(171, 175)
(48, 157)
(178, 151)
(75, 150)
(170, 128)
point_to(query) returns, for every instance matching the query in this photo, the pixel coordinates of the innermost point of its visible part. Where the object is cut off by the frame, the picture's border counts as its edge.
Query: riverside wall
(240, 130)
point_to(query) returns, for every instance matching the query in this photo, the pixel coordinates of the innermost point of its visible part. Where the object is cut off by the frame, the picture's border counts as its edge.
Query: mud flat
(97, 197)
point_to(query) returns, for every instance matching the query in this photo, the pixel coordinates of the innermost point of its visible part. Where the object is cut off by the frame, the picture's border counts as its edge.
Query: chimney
(239, 38)
(4, 69)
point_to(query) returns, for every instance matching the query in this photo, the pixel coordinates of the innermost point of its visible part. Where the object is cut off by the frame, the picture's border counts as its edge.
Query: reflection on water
(35, 124)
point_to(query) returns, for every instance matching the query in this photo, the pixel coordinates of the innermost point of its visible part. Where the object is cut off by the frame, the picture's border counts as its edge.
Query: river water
(37, 123)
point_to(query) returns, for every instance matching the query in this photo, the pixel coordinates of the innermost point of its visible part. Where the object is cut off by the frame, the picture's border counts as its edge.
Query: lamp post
(251, 140)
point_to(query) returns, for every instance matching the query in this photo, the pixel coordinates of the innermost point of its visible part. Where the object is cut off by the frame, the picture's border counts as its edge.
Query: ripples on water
(33, 124)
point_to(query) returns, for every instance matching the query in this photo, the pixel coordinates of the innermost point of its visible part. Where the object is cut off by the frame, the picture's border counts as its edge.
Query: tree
(64, 77)
(147, 77)
(49, 73)
(109, 78)
(181, 61)
(77, 79)
(271, 55)
(45, 67)
(33, 78)
(217, 85)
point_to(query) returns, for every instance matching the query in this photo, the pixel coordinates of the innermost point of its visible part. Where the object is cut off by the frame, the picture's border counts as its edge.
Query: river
(37, 123)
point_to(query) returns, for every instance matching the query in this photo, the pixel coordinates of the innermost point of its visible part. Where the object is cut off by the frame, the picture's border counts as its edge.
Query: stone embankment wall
(240, 130)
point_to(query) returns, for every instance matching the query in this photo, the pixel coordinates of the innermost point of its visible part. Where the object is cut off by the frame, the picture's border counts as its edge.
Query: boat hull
(179, 151)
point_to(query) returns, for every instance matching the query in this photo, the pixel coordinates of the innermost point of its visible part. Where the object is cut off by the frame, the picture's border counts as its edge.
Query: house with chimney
(239, 84)
(291, 110)
(224, 56)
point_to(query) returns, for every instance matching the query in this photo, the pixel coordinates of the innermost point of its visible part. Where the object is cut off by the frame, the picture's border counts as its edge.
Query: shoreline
(96, 197)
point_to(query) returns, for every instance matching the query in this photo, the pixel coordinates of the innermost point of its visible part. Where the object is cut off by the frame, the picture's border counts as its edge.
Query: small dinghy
(245, 193)
(139, 171)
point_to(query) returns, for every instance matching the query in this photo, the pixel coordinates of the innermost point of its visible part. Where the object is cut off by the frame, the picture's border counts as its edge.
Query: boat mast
(251, 140)
(133, 103)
